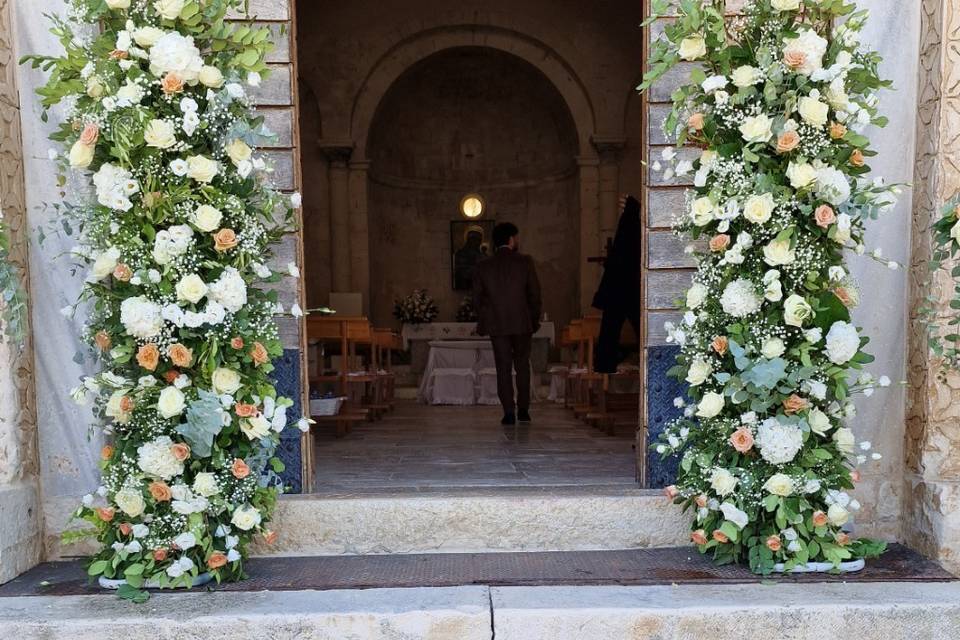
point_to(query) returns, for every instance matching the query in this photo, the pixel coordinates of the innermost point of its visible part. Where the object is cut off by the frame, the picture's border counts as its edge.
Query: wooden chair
(345, 332)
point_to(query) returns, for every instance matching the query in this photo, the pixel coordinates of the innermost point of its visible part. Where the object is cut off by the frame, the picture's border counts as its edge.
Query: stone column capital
(337, 152)
(608, 146)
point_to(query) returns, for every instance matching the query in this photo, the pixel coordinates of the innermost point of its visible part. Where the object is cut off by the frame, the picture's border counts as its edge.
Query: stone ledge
(20, 534)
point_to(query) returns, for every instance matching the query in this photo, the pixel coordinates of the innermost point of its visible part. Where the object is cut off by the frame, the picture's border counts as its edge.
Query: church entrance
(421, 128)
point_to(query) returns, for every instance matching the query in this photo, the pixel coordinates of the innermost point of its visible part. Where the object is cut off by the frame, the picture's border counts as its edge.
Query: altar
(417, 338)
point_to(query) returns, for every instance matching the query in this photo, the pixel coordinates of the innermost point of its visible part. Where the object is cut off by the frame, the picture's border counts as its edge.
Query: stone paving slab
(679, 565)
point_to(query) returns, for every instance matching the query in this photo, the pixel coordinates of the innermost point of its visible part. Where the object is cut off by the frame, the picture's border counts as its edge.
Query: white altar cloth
(458, 373)
(460, 331)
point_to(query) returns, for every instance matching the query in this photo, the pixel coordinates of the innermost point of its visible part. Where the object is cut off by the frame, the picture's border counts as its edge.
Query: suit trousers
(608, 354)
(512, 353)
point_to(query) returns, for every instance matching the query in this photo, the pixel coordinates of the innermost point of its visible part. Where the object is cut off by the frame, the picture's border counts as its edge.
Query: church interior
(422, 126)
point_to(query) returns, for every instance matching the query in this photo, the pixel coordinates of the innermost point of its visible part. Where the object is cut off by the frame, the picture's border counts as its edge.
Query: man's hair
(503, 232)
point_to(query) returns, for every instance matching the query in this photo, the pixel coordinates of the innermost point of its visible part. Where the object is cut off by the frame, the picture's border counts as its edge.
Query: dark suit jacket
(620, 286)
(506, 294)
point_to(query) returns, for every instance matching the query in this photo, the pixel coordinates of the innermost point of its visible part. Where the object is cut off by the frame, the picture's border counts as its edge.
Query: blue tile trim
(286, 378)
(661, 390)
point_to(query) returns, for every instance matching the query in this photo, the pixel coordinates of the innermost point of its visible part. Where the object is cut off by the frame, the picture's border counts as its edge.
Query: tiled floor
(420, 446)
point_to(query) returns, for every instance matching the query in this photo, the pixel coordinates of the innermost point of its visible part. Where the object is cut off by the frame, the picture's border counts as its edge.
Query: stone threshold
(888, 611)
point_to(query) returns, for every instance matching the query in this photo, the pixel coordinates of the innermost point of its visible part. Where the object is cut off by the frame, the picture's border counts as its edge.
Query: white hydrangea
(739, 299)
(175, 53)
(843, 342)
(141, 317)
(114, 187)
(229, 290)
(778, 443)
(171, 243)
(156, 459)
(832, 186)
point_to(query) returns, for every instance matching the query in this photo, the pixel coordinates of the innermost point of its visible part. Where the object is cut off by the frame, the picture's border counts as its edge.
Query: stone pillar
(931, 520)
(338, 155)
(590, 244)
(21, 536)
(609, 148)
(359, 231)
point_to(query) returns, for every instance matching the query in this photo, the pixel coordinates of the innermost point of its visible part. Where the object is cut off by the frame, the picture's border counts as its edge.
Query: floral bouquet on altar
(174, 239)
(466, 312)
(416, 308)
(771, 127)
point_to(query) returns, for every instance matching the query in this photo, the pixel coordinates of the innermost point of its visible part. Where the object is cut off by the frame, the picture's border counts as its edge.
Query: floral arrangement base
(823, 567)
(109, 583)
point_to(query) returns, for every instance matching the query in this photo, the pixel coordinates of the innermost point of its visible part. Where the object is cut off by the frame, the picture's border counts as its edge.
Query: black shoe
(508, 419)
(523, 415)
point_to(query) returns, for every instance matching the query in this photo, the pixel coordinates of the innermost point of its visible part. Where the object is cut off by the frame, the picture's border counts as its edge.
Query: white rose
(837, 94)
(837, 515)
(785, 5)
(81, 155)
(796, 311)
(201, 168)
(191, 288)
(245, 518)
(147, 36)
(256, 427)
(699, 372)
(813, 111)
(710, 405)
(778, 252)
(746, 76)
(841, 233)
(818, 421)
(801, 174)
(211, 77)
(238, 151)
(169, 9)
(832, 185)
(160, 134)
(94, 87)
(118, 4)
(171, 402)
(105, 263)
(225, 380)
(843, 342)
(773, 348)
(702, 211)
(758, 209)
(757, 128)
(207, 218)
(693, 47)
(696, 295)
(205, 484)
(722, 481)
(130, 501)
(845, 440)
(779, 484)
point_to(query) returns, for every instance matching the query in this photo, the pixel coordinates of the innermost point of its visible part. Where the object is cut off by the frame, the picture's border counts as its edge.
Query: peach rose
(837, 130)
(122, 272)
(127, 404)
(795, 59)
(159, 555)
(794, 404)
(259, 354)
(701, 501)
(224, 240)
(742, 440)
(125, 528)
(699, 537)
(106, 513)
(774, 543)
(719, 242)
(825, 216)
(244, 410)
(819, 519)
(720, 536)
(671, 491)
(90, 134)
(788, 141)
(720, 344)
(271, 537)
(171, 83)
(148, 356)
(843, 294)
(842, 539)
(102, 340)
(106, 453)
(180, 451)
(239, 469)
(119, 54)
(856, 158)
(695, 121)
(171, 376)
(236, 342)
(180, 355)
(159, 491)
(855, 475)
(216, 560)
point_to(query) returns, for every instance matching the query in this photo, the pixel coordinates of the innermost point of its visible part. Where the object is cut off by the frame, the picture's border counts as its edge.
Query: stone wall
(20, 527)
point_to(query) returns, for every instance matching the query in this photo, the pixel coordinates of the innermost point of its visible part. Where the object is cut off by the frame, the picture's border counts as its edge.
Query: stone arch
(423, 44)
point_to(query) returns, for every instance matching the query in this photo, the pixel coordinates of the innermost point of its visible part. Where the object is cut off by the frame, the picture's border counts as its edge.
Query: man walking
(506, 293)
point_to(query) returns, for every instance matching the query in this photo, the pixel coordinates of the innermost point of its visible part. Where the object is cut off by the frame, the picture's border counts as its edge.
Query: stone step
(477, 520)
(851, 611)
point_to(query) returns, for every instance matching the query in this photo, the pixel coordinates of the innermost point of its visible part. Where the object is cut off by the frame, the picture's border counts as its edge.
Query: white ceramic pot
(110, 583)
(822, 567)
